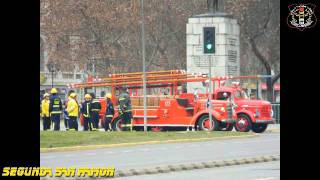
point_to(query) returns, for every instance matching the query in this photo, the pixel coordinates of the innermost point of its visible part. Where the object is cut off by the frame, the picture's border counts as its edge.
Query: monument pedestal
(226, 60)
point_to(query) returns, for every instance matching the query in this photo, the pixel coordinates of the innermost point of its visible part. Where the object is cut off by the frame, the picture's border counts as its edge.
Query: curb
(182, 167)
(90, 147)
(193, 166)
(274, 131)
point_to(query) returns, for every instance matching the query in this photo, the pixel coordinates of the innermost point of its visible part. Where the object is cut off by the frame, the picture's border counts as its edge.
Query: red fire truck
(177, 110)
(252, 115)
(181, 109)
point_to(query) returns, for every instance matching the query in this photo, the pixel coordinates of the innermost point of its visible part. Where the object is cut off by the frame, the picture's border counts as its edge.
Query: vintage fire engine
(176, 110)
(183, 110)
(252, 115)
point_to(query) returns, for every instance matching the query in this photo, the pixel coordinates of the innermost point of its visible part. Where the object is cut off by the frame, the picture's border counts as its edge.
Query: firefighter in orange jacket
(45, 112)
(86, 112)
(73, 111)
(109, 113)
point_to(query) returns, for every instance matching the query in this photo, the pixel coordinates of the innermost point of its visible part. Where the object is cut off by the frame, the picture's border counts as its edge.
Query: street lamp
(52, 67)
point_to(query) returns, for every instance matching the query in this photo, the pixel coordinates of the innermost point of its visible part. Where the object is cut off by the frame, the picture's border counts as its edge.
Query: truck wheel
(116, 125)
(243, 123)
(204, 123)
(259, 128)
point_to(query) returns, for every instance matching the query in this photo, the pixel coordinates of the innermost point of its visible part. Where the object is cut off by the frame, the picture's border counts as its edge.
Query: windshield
(241, 94)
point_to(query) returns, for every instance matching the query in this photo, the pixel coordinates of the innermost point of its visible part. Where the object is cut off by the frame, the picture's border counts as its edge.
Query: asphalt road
(260, 171)
(164, 154)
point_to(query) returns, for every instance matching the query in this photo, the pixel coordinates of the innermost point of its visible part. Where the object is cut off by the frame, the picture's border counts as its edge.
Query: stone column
(226, 60)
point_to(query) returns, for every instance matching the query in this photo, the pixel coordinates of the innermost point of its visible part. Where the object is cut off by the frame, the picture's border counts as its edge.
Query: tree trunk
(269, 90)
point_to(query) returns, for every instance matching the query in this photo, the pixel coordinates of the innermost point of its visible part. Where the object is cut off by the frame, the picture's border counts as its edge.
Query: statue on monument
(213, 5)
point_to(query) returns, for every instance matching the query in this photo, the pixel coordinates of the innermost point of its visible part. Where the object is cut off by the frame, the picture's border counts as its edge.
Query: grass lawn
(49, 139)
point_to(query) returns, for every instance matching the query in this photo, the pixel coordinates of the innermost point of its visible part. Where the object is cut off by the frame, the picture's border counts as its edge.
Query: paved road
(260, 171)
(163, 154)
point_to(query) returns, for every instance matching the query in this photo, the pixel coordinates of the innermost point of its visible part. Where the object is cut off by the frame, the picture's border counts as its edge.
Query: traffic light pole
(144, 71)
(210, 92)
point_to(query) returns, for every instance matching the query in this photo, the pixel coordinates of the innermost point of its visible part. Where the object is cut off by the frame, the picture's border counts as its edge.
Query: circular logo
(301, 16)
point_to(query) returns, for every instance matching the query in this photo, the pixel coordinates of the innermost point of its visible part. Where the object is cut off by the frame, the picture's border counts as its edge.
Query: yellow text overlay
(59, 171)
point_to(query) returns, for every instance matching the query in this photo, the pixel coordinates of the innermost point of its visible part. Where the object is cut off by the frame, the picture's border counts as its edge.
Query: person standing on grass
(55, 108)
(45, 112)
(73, 112)
(65, 113)
(125, 109)
(109, 113)
(95, 109)
(86, 112)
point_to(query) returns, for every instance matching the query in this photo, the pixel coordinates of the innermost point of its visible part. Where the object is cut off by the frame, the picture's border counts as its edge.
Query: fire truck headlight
(257, 113)
(223, 109)
(271, 113)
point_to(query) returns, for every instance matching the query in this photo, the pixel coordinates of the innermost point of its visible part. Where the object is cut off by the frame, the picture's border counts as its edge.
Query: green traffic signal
(209, 46)
(209, 40)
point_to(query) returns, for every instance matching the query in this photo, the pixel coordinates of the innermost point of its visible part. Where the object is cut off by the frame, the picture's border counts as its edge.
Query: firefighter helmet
(54, 91)
(108, 95)
(73, 95)
(46, 95)
(87, 96)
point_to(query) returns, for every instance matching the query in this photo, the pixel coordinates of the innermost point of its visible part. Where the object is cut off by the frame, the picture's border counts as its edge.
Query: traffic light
(209, 40)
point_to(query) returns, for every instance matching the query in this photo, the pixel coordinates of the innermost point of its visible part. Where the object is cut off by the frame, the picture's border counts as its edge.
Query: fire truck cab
(252, 115)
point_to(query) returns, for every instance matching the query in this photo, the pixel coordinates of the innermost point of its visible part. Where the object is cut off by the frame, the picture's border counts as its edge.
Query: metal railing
(276, 112)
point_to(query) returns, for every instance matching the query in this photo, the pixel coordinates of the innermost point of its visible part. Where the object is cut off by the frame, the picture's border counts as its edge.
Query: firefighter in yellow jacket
(73, 112)
(45, 112)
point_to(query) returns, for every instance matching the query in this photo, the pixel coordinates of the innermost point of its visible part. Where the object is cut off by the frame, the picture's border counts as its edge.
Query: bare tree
(260, 30)
(109, 32)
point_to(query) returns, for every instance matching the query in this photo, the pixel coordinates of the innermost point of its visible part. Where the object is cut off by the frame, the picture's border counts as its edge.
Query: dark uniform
(95, 109)
(109, 115)
(55, 109)
(86, 112)
(125, 110)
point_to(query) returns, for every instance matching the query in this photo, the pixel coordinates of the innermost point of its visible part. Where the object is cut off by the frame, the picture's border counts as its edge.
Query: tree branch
(275, 78)
(260, 56)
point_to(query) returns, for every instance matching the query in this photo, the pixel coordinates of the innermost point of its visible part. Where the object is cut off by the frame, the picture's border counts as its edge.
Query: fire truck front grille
(265, 111)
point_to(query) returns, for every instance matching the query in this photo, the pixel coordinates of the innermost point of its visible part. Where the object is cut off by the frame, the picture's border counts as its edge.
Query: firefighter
(65, 112)
(55, 108)
(85, 110)
(109, 113)
(45, 112)
(73, 111)
(96, 107)
(125, 109)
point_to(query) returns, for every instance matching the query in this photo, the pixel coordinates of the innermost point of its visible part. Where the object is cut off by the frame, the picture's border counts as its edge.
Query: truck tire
(259, 128)
(116, 124)
(203, 123)
(243, 124)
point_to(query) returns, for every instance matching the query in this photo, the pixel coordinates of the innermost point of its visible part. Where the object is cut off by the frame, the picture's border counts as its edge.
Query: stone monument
(226, 59)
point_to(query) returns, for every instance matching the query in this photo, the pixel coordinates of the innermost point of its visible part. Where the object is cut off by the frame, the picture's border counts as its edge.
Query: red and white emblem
(301, 16)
